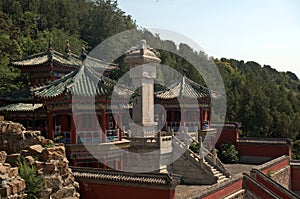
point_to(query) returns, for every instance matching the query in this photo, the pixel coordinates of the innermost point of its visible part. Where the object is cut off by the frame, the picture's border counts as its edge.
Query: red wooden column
(172, 117)
(120, 124)
(103, 125)
(74, 162)
(201, 118)
(73, 130)
(209, 116)
(50, 125)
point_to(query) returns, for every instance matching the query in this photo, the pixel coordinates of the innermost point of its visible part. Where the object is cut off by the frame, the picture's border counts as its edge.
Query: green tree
(33, 182)
(228, 153)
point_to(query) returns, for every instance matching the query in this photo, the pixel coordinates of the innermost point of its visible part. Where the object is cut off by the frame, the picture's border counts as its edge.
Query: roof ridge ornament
(184, 70)
(67, 49)
(83, 54)
(50, 45)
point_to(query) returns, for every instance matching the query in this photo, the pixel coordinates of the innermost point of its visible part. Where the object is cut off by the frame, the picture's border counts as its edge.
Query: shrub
(194, 147)
(227, 153)
(33, 182)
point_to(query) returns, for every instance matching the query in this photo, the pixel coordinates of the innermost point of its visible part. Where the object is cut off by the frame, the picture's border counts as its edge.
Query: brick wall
(93, 190)
(224, 189)
(257, 151)
(228, 134)
(295, 176)
(277, 188)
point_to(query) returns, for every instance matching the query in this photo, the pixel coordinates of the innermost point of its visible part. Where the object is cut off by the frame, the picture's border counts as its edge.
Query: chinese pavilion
(58, 81)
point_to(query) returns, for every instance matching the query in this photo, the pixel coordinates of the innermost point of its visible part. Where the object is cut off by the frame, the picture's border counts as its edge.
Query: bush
(33, 182)
(228, 153)
(194, 147)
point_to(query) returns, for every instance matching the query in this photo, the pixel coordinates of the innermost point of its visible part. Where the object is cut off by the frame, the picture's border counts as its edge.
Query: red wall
(236, 186)
(257, 189)
(295, 172)
(92, 190)
(276, 167)
(228, 135)
(270, 186)
(263, 150)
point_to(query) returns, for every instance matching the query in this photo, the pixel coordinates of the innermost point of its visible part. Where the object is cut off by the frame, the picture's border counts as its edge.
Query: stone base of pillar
(143, 130)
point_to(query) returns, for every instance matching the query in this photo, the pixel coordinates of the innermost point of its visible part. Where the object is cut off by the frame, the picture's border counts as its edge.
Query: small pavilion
(60, 81)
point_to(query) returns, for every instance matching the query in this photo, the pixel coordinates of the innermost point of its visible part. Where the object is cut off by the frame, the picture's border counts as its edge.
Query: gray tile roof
(20, 107)
(83, 81)
(64, 60)
(186, 88)
(101, 175)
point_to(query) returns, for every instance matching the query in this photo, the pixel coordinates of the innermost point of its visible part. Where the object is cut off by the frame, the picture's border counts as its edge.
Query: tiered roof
(184, 88)
(87, 82)
(71, 60)
(21, 107)
(68, 60)
(84, 81)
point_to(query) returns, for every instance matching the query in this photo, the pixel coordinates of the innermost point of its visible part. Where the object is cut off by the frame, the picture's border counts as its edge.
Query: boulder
(55, 153)
(30, 160)
(12, 159)
(53, 181)
(65, 192)
(49, 168)
(36, 149)
(4, 169)
(14, 171)
(3, 156)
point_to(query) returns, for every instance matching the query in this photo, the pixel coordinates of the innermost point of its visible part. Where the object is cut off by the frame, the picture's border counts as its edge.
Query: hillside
(265, 101)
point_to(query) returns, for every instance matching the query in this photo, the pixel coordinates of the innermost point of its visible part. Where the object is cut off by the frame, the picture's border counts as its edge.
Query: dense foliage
(228, 153)
(265, 101)
(27, 25)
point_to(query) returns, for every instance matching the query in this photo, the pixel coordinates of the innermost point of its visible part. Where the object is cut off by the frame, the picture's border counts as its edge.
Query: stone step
(221, 180)
(218, 174)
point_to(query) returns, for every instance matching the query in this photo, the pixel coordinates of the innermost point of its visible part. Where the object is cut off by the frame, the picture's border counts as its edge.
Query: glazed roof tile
(185, 87)
(20, 107)
(125, 177)
(70, 60)
(37, 59)
(83, 81)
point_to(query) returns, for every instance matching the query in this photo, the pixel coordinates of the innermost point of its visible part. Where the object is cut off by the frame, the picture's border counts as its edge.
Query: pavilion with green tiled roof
(184, 88)
(50, 65)
(50, 101)
(83, 81)
(193, 97)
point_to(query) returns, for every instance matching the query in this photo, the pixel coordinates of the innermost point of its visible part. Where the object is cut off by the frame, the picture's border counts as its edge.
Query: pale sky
(265, 31)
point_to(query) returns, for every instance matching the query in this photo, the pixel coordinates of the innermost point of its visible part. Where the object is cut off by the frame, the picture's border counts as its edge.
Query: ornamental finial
(50, 45)
(68, 50)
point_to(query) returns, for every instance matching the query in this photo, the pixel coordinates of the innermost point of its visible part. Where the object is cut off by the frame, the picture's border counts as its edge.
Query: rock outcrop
(12, 186)
(48, 158)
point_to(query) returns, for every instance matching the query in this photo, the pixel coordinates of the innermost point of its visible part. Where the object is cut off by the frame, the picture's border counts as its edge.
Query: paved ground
(235, 169)
(183, 191)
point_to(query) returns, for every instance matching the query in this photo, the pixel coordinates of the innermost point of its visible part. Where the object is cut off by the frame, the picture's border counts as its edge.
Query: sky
(264, 31)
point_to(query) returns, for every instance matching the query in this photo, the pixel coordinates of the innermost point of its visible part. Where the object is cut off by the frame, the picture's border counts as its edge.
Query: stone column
(143, 71)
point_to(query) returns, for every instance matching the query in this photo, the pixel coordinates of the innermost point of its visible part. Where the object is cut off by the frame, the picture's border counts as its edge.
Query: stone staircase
(217, 173)
(205, 160)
